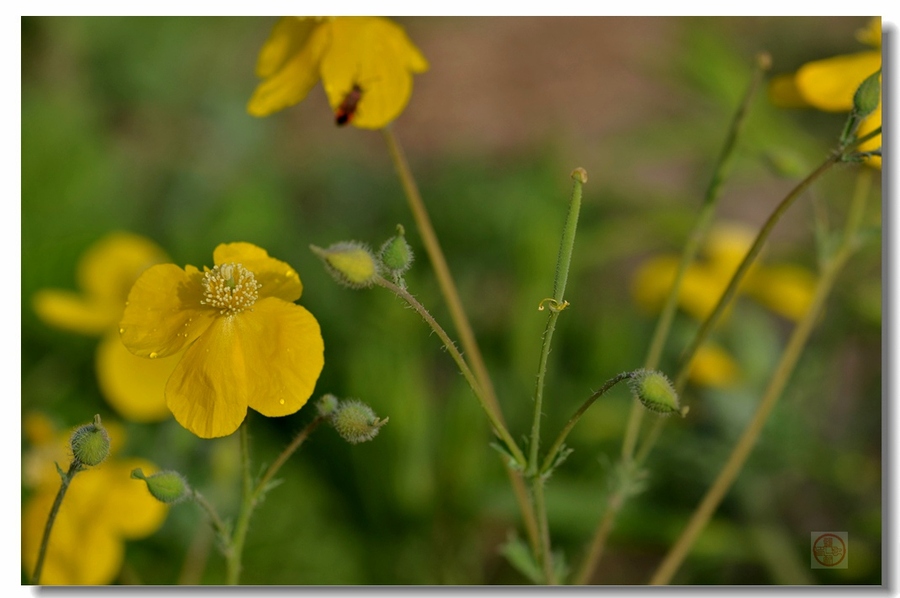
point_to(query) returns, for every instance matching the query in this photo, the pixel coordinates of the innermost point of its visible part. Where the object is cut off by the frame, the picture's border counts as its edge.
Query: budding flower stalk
(350, 263)
(168, 487)
(655, 392)
(90, 443)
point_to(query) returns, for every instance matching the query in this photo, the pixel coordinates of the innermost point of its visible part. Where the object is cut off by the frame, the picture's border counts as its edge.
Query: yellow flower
(830, 84)
(246, 344)
(106, 271)
(103, 508)
(365, 64)
(785, 289)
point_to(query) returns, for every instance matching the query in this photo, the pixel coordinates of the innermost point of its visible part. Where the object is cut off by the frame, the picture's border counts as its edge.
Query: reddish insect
(347, 109)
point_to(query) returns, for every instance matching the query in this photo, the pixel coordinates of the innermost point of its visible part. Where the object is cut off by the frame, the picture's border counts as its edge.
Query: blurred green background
(139, 124)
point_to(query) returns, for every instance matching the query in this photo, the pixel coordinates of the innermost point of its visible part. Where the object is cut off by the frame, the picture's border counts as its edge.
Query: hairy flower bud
(350, 263)
(356, 422)
(396, 254)
(327, 405)
(90, 443)
(167, 487)
(655, 392)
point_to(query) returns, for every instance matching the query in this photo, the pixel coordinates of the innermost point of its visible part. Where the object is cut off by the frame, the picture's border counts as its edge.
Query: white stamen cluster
(231, 288)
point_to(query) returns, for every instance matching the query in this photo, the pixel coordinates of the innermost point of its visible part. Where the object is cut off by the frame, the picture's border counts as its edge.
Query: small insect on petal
(347, 109)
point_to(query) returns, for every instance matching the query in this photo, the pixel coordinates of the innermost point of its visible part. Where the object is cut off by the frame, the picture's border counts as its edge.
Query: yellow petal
(208, 391)
(134, 386)
(287, 38)
(783, 92)
(287, 359)
(277, 278)
(869, 124)
(292, 82)
(652, 281)
(713, 367)
(831, 83)
(74, 312)
(376, 55)
(111, 265)
(786, 289)
(164, 313)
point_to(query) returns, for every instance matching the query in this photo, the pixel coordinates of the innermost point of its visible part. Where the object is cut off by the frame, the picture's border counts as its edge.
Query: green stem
(695, 239)
(557, 445)
(556, 305)
(74, 468)
(251, 494)
(738, 277)
(457, 313)
(540, 508)
(441, 270)
(499, 427)
(710, 502)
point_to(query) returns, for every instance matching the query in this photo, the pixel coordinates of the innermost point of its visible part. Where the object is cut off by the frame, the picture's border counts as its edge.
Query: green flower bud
(168, 487)
(396, 254)
(655, 392)
(867, 95)
(356, 422)
(327, 405)
(350, 263)
(90, 443)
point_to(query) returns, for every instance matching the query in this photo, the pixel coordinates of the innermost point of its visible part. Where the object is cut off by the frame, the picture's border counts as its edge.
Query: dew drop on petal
(121, 331)
(154, 355)
(281, 401)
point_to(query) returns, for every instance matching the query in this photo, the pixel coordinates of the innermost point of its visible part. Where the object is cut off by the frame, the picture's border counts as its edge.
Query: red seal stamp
(829, 550)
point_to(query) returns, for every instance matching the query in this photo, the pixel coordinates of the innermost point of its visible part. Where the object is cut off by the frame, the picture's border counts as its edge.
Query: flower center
(231, 288)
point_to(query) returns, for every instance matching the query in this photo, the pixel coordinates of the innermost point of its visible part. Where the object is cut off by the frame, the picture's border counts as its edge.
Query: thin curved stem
(710, 502)
(74, 468)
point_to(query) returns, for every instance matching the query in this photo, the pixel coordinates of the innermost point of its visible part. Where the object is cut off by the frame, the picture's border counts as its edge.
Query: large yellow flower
(830, 85)
(245, 343)
(103, 508)
(365, 64)
(786, 289)
(106, 271)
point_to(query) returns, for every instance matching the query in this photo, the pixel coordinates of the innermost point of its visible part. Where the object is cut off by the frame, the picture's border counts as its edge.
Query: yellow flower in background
(245, 342)
(103, 508)
(786, 289)
(830, 84)
(107, 269)
(365, 64)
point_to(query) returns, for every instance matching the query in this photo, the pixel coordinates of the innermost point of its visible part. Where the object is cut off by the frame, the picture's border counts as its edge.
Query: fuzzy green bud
(350, 263)
(868, 95)
(327, 405)
(655, 392)
(90, 443)
(396, 254)
(356, 422)
(167, 487)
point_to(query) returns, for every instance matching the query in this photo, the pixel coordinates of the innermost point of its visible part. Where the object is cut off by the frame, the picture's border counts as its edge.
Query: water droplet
(121, 331)
(281, 401)
(126, 304)
(154, 355)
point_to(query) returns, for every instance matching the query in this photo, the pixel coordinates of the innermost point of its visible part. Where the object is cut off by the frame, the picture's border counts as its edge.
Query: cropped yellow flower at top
(103, 508)
(245, 343)
(365, 64)
(106, 271)
(786, 289)
(830, 84)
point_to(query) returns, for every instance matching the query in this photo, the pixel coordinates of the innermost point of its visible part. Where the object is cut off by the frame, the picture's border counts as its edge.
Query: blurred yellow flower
(106, 271)
(245, 342)
(103, 508)
(830, 84)
(365, 64)
(785, 289)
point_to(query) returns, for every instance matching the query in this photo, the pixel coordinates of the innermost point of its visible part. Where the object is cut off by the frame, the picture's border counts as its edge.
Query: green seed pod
(655, 392)
(90, 443)
(356, 422)
(396, 254)
(350, 263)
(868, 95)
(168, 487)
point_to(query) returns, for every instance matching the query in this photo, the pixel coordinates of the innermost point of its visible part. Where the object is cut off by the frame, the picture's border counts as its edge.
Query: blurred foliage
(139, 124)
